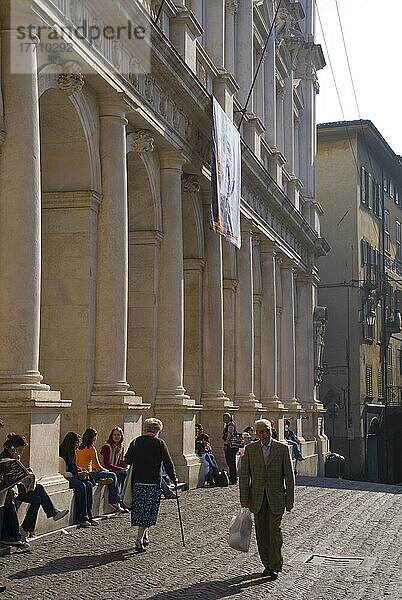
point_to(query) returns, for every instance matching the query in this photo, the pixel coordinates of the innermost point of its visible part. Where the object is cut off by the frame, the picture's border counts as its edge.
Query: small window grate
(324, 560)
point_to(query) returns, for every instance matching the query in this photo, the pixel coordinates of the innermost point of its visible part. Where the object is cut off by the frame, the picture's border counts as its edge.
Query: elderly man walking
(267, 488)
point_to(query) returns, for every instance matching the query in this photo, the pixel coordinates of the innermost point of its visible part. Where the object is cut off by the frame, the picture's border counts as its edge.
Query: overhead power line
(353, 84)
(336, 87)
(244, 109)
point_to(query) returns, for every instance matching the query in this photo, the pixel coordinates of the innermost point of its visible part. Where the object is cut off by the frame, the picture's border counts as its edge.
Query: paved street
(333, 517)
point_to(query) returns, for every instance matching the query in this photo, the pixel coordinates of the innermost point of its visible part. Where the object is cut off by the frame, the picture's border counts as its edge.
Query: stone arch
(145, 234)
(87, 114)
(69, 208)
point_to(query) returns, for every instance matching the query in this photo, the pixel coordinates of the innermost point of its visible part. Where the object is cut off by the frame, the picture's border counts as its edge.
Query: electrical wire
(159, 11)
(244, 109)
(353, 84)
(336, 88)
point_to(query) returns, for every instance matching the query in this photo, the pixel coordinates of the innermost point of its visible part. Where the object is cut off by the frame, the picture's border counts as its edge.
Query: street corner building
(117, 299)
(360, 189)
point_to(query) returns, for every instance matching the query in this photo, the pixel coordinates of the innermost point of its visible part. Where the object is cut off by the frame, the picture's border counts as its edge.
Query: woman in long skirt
(146, 455)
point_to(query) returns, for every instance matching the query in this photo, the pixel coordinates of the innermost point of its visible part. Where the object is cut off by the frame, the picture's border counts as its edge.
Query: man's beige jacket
(276, 477)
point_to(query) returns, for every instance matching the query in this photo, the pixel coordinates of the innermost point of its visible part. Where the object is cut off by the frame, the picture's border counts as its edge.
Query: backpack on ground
(222, 479)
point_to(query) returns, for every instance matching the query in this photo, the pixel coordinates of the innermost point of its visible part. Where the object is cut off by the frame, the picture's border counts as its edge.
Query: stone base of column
(276, 413)
(35, 414)
(211, 417)
(249, 411)
(179, 434)
(108, 411)
(314, 429)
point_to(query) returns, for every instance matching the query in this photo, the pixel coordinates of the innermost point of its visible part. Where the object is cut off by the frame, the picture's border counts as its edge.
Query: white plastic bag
(240, 531)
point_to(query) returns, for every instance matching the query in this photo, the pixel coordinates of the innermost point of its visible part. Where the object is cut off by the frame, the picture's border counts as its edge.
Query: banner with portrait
(225, 177)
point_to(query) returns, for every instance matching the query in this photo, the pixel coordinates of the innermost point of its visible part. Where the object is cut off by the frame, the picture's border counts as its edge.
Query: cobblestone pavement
(333, 517)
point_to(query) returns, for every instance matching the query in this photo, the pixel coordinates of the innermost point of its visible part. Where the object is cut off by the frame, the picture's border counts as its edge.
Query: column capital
(171, 158)
(141, 141)
(191, 184)
(268, 249)
(287, 264)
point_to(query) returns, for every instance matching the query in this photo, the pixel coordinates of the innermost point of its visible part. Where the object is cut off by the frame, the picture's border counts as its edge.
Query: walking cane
(178, 510)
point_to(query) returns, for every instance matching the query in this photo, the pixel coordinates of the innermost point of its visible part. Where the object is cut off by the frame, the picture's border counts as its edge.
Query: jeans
(83, 495)
(114, 495)
(230, 456)
(11, 527)
(35, 498)
(213, 471)
(296, 452)
(121, 476)
(166, 491)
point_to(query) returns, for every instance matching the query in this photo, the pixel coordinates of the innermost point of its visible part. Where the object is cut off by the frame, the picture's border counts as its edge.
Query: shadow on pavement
(215, 590)
(347, 484)
(68, 564)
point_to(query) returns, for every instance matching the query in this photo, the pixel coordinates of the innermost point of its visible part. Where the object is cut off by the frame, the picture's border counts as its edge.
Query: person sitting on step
(87, 458)
(78, 479)
(29, 491)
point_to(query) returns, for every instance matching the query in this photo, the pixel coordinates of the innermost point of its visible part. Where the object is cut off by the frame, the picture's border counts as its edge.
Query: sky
(373, 36)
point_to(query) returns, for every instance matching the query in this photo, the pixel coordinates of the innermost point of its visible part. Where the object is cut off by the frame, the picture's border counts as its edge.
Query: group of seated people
(82, 467)
(290, 437)
(204, 450)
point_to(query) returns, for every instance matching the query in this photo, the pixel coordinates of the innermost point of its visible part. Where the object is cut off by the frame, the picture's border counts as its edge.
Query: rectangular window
(379, 384)
(378, 322)
(397, 197)
(369, 382)
(376, 199)
(364, 252)
(369, 190)
(362, 185)
(391, 188)
(386, 230)
(398, 239)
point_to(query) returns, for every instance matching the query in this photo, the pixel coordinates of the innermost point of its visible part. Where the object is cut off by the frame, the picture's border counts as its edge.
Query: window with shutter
(362, 185)
(364, 252)
(398, 239)
(379, 384)
(386, 231)
(369, 190)
(369, 382)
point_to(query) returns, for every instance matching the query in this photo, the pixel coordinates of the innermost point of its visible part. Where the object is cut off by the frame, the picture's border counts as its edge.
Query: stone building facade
(117, 300)
(359, 183)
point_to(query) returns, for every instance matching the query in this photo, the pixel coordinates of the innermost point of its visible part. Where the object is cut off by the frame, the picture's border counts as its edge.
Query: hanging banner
(226, 176)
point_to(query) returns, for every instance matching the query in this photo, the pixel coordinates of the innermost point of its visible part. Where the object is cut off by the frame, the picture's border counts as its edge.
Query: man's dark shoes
(271, 573)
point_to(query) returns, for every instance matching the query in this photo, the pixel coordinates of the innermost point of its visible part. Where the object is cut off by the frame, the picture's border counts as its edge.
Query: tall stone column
(230, 17)
(26, 404)
(176, 409)
(215, 32)
(304, 334)
(214, 399)
(270, 93)
(288, 341)
(280, 140)
(269, 330)
(111, 395)
(269, 338)
(289, 124)
(244, 74)
(245, 396)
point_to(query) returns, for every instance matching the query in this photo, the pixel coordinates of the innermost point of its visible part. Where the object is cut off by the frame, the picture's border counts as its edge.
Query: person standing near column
(267, 488)
(230, 453)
